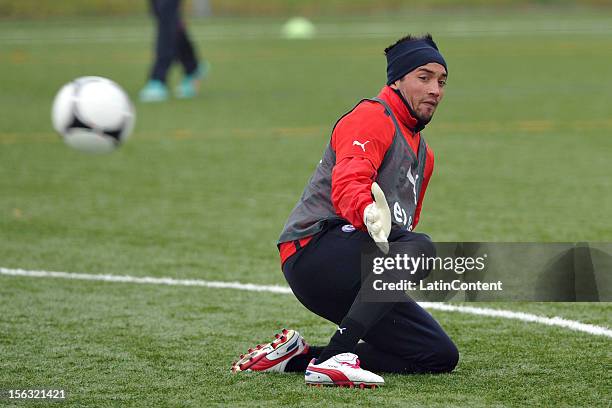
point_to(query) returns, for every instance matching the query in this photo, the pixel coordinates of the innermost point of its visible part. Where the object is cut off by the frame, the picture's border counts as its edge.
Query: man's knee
(445, 357)
(427, 249)
(415, 242)
(427, 246)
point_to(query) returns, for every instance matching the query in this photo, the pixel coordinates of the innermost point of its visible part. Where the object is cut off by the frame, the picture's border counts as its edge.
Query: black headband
(409, 55)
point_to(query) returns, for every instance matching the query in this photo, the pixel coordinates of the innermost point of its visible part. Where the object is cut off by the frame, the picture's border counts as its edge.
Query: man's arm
(352, 179)
(360, 141)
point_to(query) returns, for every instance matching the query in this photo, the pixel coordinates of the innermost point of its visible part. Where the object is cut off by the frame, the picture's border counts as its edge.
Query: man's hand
(377, 218)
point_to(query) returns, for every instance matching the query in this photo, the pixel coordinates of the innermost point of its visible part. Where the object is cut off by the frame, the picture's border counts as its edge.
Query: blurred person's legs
(168, 20)
(172, 43)
(166, 14)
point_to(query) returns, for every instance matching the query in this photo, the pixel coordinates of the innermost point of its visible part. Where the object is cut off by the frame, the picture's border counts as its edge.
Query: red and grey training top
(376, 141)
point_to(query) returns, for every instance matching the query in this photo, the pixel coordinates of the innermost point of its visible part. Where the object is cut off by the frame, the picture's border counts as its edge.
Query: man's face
(423, 88)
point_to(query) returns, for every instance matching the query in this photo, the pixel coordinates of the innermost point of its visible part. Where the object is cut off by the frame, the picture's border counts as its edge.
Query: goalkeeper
(369, 186)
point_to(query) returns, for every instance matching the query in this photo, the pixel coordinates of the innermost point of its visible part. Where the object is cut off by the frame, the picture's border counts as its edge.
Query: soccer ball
(93, 114)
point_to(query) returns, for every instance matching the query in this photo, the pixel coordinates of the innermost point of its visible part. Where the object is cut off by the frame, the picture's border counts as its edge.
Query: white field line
(149, 280)
(479, 311)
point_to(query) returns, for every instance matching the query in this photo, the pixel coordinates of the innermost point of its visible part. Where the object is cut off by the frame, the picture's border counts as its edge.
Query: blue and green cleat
(154, 91)
(190, 85)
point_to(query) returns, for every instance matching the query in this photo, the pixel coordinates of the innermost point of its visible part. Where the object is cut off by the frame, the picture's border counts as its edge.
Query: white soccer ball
(93, 114)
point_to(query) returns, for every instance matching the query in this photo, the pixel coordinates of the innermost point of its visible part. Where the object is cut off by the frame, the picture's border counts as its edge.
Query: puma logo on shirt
(362, 145)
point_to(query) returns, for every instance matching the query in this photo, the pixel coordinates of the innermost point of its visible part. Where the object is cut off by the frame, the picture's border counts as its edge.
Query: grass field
(203, 188)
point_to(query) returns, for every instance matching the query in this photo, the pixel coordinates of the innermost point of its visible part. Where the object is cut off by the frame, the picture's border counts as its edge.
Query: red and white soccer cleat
(342, 370)
(273, 356)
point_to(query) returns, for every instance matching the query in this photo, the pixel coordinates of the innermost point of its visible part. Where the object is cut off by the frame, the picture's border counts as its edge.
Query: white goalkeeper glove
(377, 218)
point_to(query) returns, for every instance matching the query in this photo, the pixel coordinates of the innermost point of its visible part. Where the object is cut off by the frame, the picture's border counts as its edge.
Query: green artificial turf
(203, 187)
